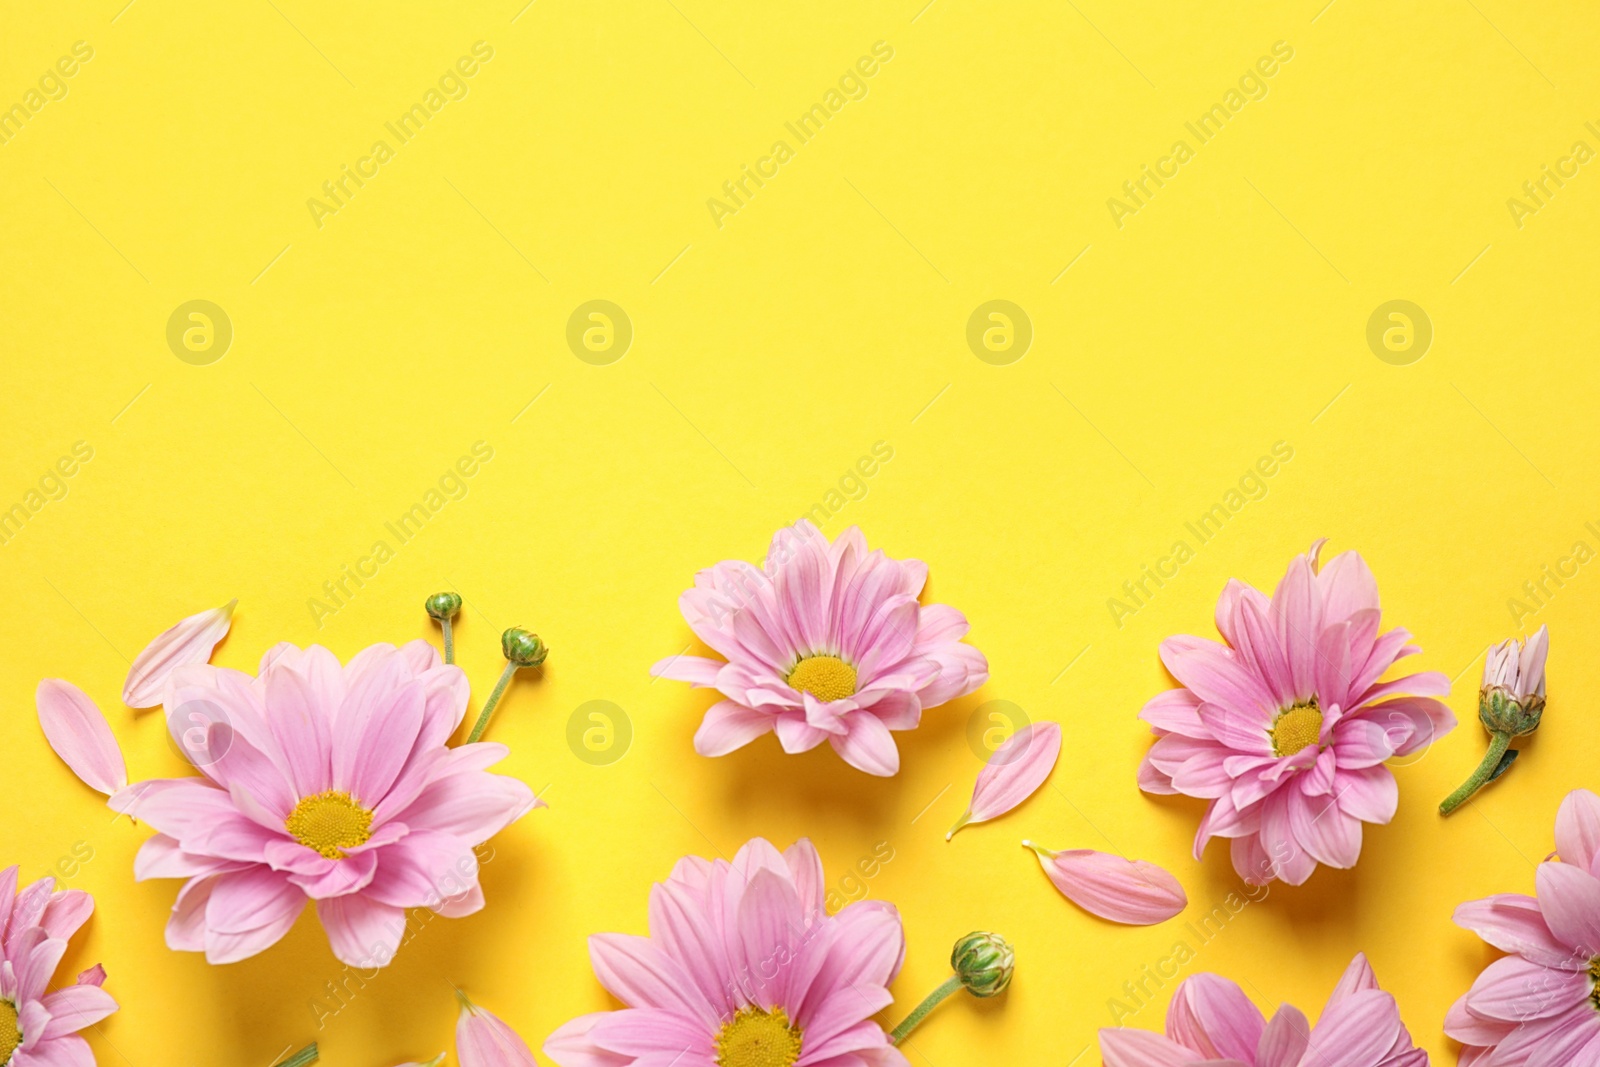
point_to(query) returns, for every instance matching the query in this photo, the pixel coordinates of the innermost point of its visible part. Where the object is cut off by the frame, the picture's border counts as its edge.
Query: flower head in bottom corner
(744, 966)
(1539, 1005)
(40, 1028)
(326, 783)
(1211, 1020)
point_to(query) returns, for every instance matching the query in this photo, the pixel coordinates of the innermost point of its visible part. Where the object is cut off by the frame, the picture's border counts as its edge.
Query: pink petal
(1124, 891)
(482, 1040)
(1569, 898)
(1211, 1015)
(75, 1007)
(1578, 828)
(1513, 923)
(363, 933)
(696, 670)
(190, 641)
(867, 745)
(1284, 1039)
(1141, 1048)
(80, 735)
(1355, 1032)
(729, 726)
(1013, 773)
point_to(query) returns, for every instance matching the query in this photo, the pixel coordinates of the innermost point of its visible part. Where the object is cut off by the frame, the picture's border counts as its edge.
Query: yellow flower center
(824, 677)
(1594, 974)
(329, 823)
(756, 1038)
(1296, 727)
(10, 1034)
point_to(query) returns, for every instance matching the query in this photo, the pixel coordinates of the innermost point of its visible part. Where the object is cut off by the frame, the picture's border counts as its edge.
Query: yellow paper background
(769, 355)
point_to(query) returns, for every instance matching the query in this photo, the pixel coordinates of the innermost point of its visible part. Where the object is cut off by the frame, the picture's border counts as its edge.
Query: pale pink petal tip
(1013, 773)
(80, 735)
(189, 642)
(482, 1040)
(1125, 891)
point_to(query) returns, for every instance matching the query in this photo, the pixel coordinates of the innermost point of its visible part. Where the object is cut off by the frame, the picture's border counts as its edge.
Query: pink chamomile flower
(743, 966)
(826, 642)
(1285, 727)
(323, 783)
(1539, 1005)
(38, 1027)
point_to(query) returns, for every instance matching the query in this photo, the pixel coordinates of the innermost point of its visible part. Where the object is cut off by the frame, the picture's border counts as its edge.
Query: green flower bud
(1501, 713)
(443, 606)
(523, 647)
(984, 963)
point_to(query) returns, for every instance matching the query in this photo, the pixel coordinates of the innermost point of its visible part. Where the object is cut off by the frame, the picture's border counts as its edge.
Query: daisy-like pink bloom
(827, 642)
(1539, 1006)
(323, 783)
(40, 1028)
(1212, 1022)
(743, 968)
(1285, 728)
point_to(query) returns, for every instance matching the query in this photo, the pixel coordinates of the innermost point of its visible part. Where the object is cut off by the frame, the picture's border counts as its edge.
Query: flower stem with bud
(984, 964)
(444, 607)
(1510, 705)
(522, 648)
(1494, 763)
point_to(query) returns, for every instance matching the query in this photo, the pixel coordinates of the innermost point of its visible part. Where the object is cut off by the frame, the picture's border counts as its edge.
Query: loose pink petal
(1014, 771)
(80, 736)
(1124, 891)
(482, 1040)
(189, 642)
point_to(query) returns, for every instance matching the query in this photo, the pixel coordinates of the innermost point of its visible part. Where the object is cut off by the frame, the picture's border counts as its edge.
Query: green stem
(933, 1000)
(449, 641)
(301, 1058)
(1498, 744)
(494, 698)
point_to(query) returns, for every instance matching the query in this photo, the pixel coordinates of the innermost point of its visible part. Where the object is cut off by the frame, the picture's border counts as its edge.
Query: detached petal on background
(1014, 771)
(189, 642)
(80, 736)
(1124, 891)
(482, 1040)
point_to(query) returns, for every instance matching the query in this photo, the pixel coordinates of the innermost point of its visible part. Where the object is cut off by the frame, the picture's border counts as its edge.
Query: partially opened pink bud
(1124, 891)
(1014, 771)
(482, 1040)
(190, 641)
(80, 736)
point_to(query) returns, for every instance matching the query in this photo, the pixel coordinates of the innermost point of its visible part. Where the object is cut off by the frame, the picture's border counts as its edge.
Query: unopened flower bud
(443, 606)
(984, 962)
(1512, 698)
(1510, 705)
(523, 647)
